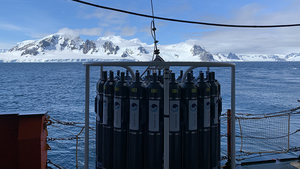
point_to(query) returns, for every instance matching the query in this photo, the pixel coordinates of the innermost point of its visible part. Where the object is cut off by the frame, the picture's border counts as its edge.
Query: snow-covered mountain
(50, 43)
(59, 47)
(3, 50)
(292, 56)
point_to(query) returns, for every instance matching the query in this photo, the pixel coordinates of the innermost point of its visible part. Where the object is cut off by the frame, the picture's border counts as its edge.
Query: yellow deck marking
(295, 164)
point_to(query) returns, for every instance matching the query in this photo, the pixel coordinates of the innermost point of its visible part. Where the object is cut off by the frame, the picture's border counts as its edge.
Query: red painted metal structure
(23, 141)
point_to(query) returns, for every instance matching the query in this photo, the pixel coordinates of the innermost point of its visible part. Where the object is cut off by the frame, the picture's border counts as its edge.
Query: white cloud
(107, 18)
(255, 40)
(109, 33)
(84, 31)
(7, 45)
(37, 34)
(6, 26)
(112, 22)
(128, 31)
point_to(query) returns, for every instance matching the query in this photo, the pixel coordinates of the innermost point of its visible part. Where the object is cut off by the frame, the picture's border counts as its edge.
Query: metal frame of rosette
(166, 66)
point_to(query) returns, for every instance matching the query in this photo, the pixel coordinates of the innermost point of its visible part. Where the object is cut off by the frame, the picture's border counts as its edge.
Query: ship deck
(273, 164)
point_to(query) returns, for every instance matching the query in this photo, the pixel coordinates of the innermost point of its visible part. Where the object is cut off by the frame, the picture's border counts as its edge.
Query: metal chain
(56, 165)
(64, 123)
(67, 138)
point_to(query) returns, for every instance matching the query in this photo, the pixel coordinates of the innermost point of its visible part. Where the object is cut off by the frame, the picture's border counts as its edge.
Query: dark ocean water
(261, 87)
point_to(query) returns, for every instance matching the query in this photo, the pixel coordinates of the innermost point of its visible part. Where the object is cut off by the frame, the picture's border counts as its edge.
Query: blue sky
(33, 19)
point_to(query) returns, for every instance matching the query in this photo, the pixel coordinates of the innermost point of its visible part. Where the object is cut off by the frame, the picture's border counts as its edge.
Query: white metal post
(166, 117)
(87, 99)
(233, 117)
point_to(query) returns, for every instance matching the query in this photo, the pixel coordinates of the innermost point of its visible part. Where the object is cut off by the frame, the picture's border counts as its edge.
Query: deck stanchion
(87, 122)
(233, 117)
(229, 135)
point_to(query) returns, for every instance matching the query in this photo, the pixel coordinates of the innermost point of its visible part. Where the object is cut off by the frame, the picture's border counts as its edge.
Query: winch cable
(153, 34)
(153, 29)
(186, 21)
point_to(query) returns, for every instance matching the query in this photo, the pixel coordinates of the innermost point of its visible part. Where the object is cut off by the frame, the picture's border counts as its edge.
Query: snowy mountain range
(3, 50)
(59, 47)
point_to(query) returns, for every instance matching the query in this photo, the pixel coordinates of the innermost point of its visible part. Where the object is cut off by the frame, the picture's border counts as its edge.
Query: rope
(65, 123)
(291, 111)
(266, 115)
(270, 137)
(64, 130)
(68, 138)
(56, 165)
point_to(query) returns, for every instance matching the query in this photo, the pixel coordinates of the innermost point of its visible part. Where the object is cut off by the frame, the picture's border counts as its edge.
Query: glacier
(67, 48)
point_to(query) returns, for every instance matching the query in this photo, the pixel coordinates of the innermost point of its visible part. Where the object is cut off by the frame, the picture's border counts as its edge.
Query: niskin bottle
(108, 122)
(180, 76)
(137, 125)
(203, 122)
(213, 122)
(160, 77)
(117, 77)
(190, 135)
(175, 125)
(219, 115)
(147, 79)
(121, 115)
(154, 145)
(128, 78)
(99, 119)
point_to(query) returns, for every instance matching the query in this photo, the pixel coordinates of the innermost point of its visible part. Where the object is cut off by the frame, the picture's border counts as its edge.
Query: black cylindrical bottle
(137, 122)
(108, 122)
(117, 77)
(180, 76)
(154, 145)
(175, 126)
(190, 135)
(203, 122)
(213, 121)
(128, 78)
(160, 77)
(121, 115)
(99, 119)
(146, 80)
(219, 115)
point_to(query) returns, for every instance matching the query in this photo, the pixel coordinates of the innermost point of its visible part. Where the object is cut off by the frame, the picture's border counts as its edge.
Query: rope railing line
(240, 136)
(64, 130)
(66, 138)
(56, 165)
(292, 111)
(269, 137)
(259, 116)
(266, 115)
(66, 122)
(69, 138)
(261, 154)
